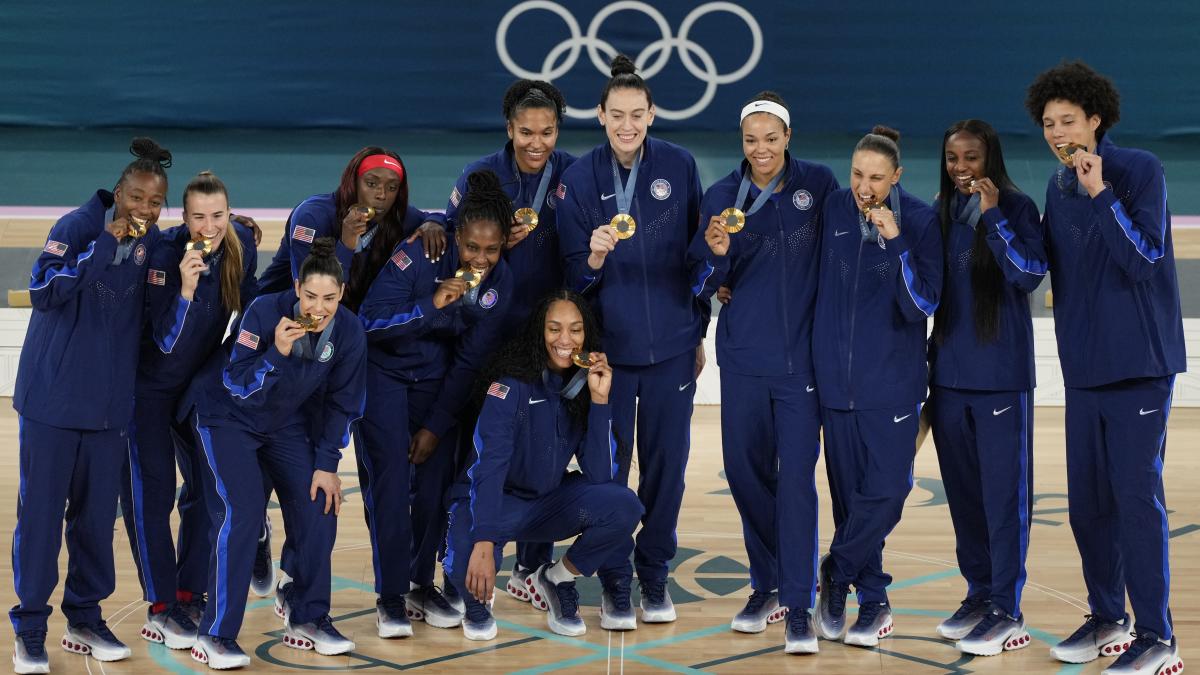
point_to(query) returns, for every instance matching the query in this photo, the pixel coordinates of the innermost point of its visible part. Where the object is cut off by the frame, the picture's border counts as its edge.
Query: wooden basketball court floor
(709, 585)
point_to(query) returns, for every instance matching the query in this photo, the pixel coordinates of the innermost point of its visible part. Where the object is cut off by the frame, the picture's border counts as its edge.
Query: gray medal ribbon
(302, 347)
(967, 212)
(868, 229)
(365, 240)
(625, 192)
(744, 189)
(539, 198)
(573, 387)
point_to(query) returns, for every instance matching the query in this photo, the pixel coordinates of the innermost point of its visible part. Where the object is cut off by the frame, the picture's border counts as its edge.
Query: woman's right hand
(119, 227)
(189, 271)
(716, 236)
(604, 240)
(450, 290)
(599, 378)
(354, 225)
(433, 238)
(286, 333)
(724, 295)
(481, 571)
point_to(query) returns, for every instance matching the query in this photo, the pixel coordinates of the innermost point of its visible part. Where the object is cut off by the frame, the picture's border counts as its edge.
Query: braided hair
(485, 203)
(152, 158)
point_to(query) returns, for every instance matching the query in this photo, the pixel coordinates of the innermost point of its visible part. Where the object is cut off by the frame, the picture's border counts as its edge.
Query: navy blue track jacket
(643, 292)
(80, 354)
(874, 299)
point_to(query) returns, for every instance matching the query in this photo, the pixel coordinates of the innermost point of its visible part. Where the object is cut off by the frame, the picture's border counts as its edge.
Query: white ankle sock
(559, 574)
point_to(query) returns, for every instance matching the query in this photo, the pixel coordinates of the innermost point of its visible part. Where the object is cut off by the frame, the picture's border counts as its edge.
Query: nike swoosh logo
(1146, 412)
(684, 386)
(838, 234)
(1000, 412)
(898, 420)
(437, 280)
(604, 197)
(540, 400)
(809, 388)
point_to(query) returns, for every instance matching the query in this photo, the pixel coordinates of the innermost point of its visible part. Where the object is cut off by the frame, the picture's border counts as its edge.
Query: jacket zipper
(783, 284)
(853, 312)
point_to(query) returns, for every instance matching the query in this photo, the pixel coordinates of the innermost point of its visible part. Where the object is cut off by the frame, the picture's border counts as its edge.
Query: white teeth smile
(564, 353)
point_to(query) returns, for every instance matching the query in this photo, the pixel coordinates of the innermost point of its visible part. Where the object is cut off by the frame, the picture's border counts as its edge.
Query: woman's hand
(450, 290)
(885, 220)
(424, 444)
(287, 332)
(354, 225)
(247, 221)
(481, 571)
(331, 485)
(189, 271)
(433, 239)
(716, 236)
(989, 194)
(604, 240)
(599, 378)
(1089, 169)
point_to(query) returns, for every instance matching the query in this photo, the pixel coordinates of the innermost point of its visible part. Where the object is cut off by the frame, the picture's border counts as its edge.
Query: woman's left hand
(989, 194)
(433, 239)
(599, 378)
(247, 221)
(1089, 169)
(481, 571)
(885, 220)
(331, 485)
(424, 444)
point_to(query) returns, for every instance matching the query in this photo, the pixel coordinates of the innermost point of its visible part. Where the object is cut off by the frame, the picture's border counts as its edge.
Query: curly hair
(526, 94)
(524, 357)
(1076, 82)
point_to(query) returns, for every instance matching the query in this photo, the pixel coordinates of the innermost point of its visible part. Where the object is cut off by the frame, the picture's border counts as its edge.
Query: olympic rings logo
(563, 56)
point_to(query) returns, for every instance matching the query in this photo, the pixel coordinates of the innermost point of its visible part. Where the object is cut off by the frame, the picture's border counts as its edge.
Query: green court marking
(917, 581)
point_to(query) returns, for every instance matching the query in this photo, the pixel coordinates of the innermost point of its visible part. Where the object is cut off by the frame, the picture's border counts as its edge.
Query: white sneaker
(95, 639)
(172, 628)
(319, 635)
(219, 653)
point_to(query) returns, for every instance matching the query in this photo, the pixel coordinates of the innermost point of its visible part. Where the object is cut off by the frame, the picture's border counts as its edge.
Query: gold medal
(368, 211)
(624, 224)
(308, 322)
(734, 219)
(138, 226)
(470, 276)
(872, 206)
(527, 217)
(581, 359)
(1066, 154)
(202, 244)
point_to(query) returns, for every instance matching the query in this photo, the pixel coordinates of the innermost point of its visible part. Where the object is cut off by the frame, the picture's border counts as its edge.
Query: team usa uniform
(254, 416)
(770, 416)
(517, 488)
(1120, 340)
(873, 301)
(652, 324)
(423, 360)
(315, 218)
(178, 339)
(981, 417)
(74, 393)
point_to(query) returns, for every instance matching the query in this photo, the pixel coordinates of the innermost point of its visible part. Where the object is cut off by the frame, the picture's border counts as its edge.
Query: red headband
(381, 162)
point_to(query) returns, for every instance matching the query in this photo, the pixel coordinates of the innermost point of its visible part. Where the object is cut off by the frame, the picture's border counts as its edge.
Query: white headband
(767, 107)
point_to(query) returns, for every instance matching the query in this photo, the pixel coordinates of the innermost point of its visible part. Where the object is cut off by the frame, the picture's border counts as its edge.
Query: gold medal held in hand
(624, 224)
(527, 217)
(1066, 153)
(872, 206)
(368, 211)
(308, 322)
(470, 276)
(202, 244)
(138, 226)
(581, 359)
(734, 219)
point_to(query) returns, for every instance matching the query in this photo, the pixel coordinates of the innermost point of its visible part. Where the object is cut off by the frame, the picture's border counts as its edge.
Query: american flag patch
(156, 277)
(498, 390)
(247, 339)
(402, 260)
(561, 192)
(304, 234)
(55, 248)
(455, 197)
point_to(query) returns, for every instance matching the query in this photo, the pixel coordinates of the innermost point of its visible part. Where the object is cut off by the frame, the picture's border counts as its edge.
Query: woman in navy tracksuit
(981, 394)
(74, 394)
(539, 411)
(253, 417)
(190, 297)
(652, 321)
(374, 177)
(881, 275)
(429, 335)
(1120, 341)
(770, 417)
(530, 169)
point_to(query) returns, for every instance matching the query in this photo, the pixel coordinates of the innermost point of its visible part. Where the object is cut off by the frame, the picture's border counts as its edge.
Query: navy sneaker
(29, 652)
(320, 635)
(616, 608)
(800, 637)
(477, 622)
(1148, 654)
(656, 602)
(964, 619)
(391, 618)
(874, 622)
(95, 639)
(831, 603)
(761, 609)
(997, 632)
(1096, 637)
(560, 602)
(219, 653)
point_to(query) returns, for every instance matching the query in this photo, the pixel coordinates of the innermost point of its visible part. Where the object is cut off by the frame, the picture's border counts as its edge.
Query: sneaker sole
(76, 646)
(658, 616)
(517, 590)
(870, 640)
(442, 621)
(1111, 648)
(201, 656)
(955, 634)
(803, 647)
(23, 669)
(401, 632)
(480, 635)
(1019, 640)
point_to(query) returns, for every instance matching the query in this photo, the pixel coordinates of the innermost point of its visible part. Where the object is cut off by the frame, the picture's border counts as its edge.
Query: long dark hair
(365, 268)
(524, 357)
(987, 280)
